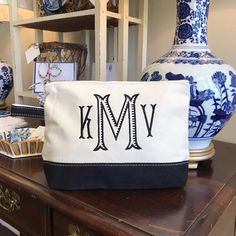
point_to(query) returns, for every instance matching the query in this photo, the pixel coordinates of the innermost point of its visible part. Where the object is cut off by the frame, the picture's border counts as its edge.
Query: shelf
(69, 22)
(66, 22)
(98, 20)
(27, 94)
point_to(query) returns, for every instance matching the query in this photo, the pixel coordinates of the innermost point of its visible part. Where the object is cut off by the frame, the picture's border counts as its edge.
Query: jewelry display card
(50, 72)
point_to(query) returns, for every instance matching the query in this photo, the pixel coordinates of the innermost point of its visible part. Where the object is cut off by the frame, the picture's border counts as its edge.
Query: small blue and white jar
(212, 81)
(6, 81)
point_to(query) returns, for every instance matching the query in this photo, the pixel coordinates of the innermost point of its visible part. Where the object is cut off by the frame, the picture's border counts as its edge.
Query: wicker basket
(74, 5)
(52, 52)
(22, 149)
(22, 146)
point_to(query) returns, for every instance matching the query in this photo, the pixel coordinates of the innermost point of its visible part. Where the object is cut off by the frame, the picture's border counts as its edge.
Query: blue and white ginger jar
(6, 81)
(212, 81)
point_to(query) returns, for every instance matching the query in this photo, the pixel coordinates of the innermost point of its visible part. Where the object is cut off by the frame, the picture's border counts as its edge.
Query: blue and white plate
(53, 5)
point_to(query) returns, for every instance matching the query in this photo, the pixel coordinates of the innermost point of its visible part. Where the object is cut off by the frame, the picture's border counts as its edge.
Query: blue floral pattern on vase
(145, 77)
(155, 76)
(6, 81)
(212, 81)
(183, 10)
(192, 19)
(223, 101)
(185, 31)
(190, 57)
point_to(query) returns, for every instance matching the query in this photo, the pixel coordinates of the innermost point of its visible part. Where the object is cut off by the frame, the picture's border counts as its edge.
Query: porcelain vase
(212, 81)
(6, 82)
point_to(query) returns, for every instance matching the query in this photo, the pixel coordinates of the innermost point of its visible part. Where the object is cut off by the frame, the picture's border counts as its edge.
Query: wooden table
(206, 206)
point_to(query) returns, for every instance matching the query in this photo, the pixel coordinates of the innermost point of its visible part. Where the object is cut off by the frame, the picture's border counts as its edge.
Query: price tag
(32, 53)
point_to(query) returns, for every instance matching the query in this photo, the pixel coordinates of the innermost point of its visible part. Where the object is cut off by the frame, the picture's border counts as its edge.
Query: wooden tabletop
(191, 210)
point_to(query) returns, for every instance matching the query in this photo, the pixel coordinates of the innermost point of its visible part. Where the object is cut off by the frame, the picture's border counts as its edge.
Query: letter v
(149, 124)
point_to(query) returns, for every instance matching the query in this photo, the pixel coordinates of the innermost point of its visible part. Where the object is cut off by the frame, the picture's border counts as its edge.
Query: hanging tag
(32, 53)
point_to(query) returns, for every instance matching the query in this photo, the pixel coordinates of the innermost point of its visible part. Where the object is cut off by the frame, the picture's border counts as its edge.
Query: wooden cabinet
(5, 231)
(205, 206)
(95, 19)
(63, 225)
(21, 209)
(226, 224)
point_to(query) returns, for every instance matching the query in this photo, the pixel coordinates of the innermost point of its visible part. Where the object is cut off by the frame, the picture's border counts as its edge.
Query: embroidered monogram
(149, 125)
(85, 121)
(104, 110)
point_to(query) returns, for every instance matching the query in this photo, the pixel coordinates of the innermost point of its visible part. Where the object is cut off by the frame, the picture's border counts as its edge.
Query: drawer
(21, 209)
(227, 222)
(64, 226)
(6, 232)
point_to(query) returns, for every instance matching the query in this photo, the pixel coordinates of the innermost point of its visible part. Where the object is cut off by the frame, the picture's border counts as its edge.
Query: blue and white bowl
(53, 5)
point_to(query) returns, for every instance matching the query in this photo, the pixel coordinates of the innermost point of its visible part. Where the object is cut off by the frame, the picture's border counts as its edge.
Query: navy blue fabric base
(27, 111)
(115, 176)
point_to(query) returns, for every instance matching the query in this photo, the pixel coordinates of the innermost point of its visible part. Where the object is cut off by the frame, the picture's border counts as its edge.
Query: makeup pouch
(116, 135)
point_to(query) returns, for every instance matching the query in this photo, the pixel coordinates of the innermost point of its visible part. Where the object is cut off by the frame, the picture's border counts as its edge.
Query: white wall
(221, 38)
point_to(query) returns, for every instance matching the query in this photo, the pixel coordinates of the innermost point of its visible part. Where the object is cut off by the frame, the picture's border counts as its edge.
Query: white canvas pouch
(116, 135)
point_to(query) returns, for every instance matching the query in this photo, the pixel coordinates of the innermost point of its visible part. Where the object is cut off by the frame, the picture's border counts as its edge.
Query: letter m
(104, 111)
